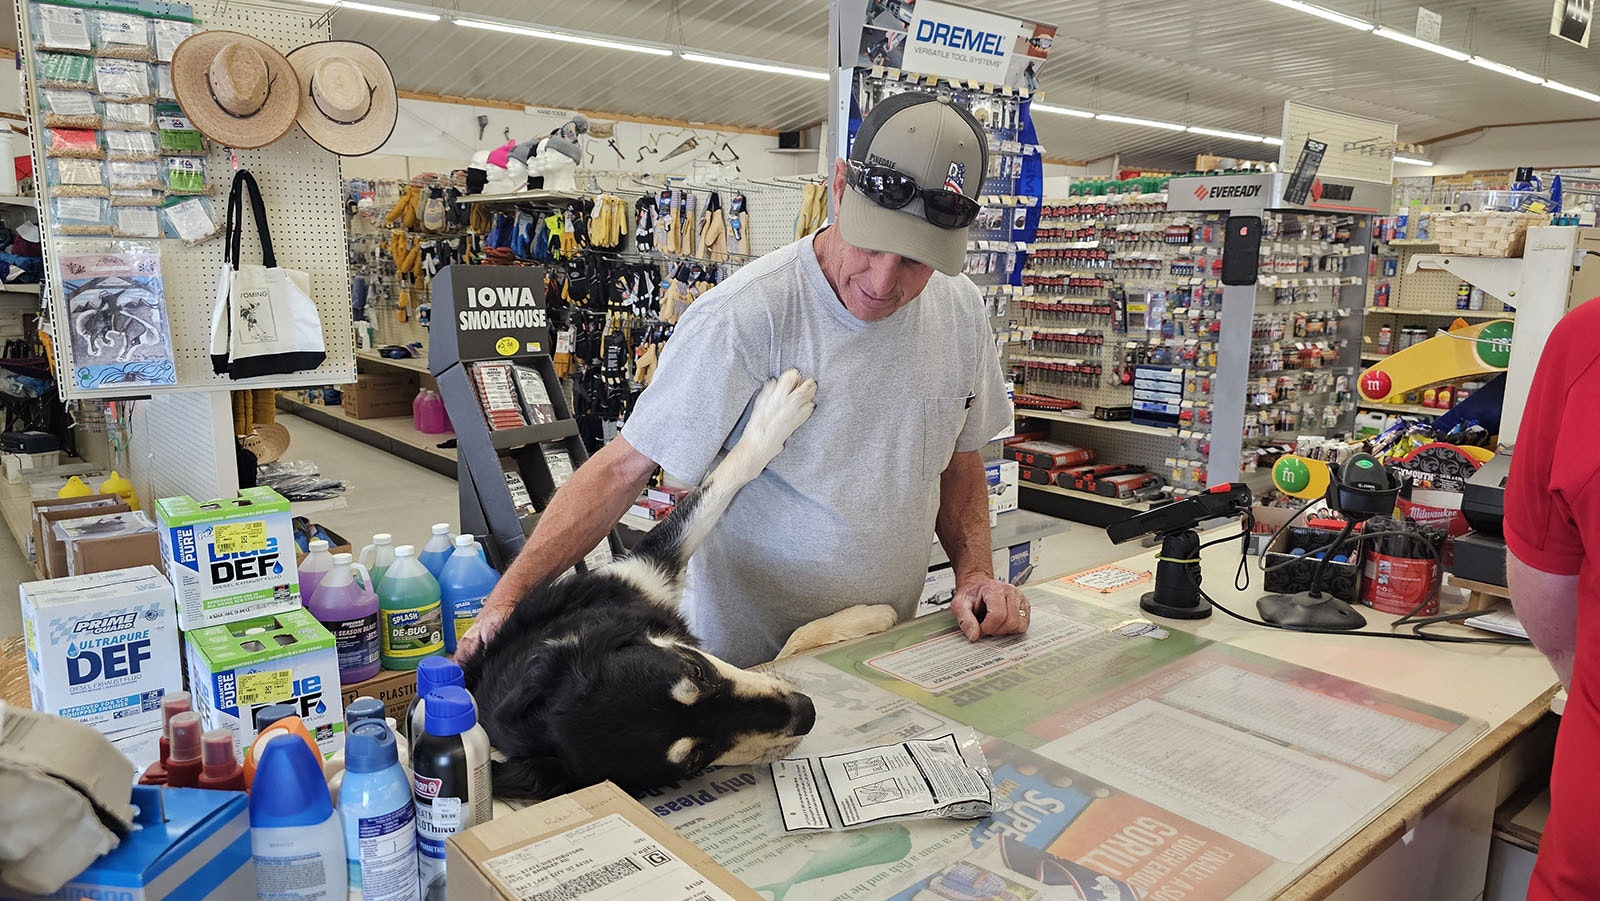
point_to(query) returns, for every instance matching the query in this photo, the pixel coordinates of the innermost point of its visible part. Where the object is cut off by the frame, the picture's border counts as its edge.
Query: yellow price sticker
(239, 537)
(507, 346)
(265, 687)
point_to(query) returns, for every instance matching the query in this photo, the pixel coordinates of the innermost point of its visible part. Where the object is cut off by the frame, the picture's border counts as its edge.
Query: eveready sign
(1216, 192)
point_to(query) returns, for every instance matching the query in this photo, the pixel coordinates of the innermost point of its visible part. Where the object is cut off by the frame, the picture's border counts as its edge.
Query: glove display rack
(300, 184)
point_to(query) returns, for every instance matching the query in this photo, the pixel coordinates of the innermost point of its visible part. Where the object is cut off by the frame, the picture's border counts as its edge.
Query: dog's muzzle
(802, 715)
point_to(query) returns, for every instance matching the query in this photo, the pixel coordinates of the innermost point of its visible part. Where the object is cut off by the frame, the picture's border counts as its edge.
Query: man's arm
(1547, 605)
(982, 604)
(580, 514)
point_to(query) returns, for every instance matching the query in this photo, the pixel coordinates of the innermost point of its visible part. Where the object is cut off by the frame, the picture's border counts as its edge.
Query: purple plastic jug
(348, 607)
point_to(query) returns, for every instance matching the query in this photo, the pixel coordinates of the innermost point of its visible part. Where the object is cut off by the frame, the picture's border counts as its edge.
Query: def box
(238, 668)
(229, 558)
(102, 649)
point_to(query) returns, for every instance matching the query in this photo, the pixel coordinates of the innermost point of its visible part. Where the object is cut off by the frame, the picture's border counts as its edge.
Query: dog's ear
(530, 778)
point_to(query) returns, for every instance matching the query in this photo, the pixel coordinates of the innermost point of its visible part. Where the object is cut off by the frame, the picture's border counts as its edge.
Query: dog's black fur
(596, 676)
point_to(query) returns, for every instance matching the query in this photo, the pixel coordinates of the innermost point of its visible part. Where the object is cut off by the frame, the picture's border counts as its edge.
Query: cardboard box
(19, 466)
(534, 851)
(938, 590)
(377, 395)
(1002, 476)
(237, 668)
(41, 531)
(108, 541)
(229, 558)
(191, 843)
(102, 649)
(395, 688)
(50, 548)
(1342, 580)
(48, 484)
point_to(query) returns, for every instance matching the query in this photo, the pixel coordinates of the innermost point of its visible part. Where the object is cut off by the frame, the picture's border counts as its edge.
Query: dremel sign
(959, 42)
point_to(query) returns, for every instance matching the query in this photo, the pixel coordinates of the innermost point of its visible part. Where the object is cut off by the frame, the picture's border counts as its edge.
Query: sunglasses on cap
(894, 190)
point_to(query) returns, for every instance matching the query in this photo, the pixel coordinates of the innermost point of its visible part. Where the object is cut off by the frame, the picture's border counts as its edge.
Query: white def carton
(230, 558)
(102, 649)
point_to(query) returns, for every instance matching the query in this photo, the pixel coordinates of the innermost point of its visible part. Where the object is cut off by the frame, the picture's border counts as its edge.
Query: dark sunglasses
(894, 190)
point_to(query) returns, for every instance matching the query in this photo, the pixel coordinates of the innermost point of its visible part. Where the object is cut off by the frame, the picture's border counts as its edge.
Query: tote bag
(264, 321)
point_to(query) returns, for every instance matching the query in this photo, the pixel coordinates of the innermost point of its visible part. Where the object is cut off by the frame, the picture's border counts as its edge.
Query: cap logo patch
(874, 160)
(956, 178)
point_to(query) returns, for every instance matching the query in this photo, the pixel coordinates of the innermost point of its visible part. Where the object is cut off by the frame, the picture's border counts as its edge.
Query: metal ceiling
(1227, 65)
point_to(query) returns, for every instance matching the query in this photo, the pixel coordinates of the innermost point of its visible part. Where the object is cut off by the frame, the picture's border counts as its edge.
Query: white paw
(785, 403)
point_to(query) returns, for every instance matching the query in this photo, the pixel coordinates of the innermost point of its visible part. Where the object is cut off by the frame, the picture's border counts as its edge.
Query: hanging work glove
(738, 226)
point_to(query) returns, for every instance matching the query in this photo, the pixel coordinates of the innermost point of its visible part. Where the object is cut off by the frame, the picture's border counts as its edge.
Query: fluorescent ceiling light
(1062, 111)
(1569, 89)
(1147, 123)
(566, 37)
(1219, 133)
(1277, 142)
(374, 8)
(1414, 41)
(1504, 69)
(1330, 15)
(755, 66)
(1410, 161)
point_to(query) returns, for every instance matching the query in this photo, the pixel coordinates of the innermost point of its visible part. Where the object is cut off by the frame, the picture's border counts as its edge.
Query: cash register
(1480, 555)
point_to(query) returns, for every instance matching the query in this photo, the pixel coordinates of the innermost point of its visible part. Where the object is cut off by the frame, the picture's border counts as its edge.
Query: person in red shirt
(1552, 518)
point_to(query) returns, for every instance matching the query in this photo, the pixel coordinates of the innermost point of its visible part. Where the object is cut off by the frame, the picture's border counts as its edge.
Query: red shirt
(1552, 519)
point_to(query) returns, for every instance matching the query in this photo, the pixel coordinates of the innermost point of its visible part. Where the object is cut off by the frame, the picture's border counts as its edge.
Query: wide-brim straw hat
(235, 89)
(348, 102)
(269, 442)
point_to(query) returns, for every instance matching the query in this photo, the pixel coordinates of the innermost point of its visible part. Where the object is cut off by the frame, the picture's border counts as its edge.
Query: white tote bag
(264, 321)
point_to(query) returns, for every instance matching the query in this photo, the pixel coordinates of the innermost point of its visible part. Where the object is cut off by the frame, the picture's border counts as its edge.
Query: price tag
(265, 687)
(237, 538)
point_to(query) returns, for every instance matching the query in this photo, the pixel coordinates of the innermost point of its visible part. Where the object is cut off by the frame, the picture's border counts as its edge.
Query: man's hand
(989, 607)
(496, 608)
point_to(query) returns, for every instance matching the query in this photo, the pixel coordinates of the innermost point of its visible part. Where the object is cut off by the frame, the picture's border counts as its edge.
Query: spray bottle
(316, 564)
(269, 721)
(377, 812)
(378, 556)
(465, 582)
(184, 763)
(295, 834)
(172, 704)
(412, 624)
(220, 763)
(432, 673)
(348, 606)
(450, 778)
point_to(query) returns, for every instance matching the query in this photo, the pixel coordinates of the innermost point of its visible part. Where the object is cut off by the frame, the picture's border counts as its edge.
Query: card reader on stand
(1177, 588)
(1481, 553)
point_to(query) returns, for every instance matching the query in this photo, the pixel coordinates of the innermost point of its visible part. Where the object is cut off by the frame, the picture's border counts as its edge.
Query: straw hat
(268, 442)
(348, 102)
(235, 89)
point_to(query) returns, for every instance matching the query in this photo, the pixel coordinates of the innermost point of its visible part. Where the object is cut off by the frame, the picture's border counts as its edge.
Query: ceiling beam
(1428, 142)
(593, 114)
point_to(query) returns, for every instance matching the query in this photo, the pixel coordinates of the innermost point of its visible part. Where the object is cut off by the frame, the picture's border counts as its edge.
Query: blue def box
(188, 843)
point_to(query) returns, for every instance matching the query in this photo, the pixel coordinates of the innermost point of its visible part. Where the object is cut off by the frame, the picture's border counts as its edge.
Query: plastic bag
(130, 116)
(59, 28)
(185, 174)
(178, 136)
(190, 220)
(119, 35)
(133, 197)
(127, 175)
(123, 79)
(81, 215)
(164, 89)
(70, 109)
(76, 178)
(941, 776)
(135, 222)
(75, 143)
(130, 145)
(65, 71)
(300, 480)
(169, 33)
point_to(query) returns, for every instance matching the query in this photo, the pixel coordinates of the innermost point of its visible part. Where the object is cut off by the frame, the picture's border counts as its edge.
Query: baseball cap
(934, 142)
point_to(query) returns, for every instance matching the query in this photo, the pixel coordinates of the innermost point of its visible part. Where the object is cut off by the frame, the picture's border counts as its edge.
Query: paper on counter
(607, 859)
(950, 659)
(924, 777)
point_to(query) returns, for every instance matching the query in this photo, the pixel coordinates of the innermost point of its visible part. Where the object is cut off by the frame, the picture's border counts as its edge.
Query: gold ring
(1022, 612)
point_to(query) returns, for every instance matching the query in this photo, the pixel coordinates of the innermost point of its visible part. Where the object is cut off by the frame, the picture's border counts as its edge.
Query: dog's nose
(804, 715)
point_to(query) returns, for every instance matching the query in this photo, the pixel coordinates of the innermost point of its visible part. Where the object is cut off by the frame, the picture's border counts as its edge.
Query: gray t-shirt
(845, 514)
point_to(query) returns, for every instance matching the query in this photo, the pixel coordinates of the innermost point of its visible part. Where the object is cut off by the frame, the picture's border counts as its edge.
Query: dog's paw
(851, 622)
(785, 403)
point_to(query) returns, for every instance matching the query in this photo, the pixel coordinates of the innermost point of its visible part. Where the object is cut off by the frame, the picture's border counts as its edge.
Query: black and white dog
(596, 676)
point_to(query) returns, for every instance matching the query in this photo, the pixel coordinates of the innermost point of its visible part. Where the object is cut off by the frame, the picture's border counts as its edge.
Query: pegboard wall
(1422, 292)
(1337, 130)
(300, 187)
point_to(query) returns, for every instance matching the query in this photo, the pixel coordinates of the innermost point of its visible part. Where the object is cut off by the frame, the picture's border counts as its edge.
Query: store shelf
(509, 439)
(521, 197)
(16, 506)
(796, 151)
(415, 364)
(1445, 314)
(7, 200)
(1086, 420)
(19, 289)
(1411, 242)
(394, 435)
(1408, 409)
(1129, 505)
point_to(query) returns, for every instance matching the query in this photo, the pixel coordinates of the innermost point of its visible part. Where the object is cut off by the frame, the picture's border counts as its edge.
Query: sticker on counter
(609, 858)
(237, 538)
(1133, 628)
(1107, 579)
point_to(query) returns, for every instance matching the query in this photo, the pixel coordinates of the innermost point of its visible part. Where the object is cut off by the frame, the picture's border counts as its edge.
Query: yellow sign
(265, 687)
(507, 346)
(239, 537)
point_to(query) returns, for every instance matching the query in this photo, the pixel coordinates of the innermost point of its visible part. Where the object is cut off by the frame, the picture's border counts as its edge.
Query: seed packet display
(497, 395)
(124, 79)
(130, 145)
(185, 174)
(169, 33)
(535, 396)
(116, 315)
(130, 116)
(190, 220)
(178, 136)
(135, 222)
(60, 28)
(80, 215)
(73, 143)
(164, 89)
(70, 109)
(119, 35)
(65, 71)
(76, 178)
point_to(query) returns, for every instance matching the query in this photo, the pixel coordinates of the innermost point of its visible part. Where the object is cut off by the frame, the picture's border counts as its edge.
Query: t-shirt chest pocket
(942, 420)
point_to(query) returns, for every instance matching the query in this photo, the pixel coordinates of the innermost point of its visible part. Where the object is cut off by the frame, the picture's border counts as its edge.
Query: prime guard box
(287, 658)
(229, 559)
(102, 649)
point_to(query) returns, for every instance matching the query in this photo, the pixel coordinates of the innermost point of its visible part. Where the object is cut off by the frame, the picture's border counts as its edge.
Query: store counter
(1223, 761)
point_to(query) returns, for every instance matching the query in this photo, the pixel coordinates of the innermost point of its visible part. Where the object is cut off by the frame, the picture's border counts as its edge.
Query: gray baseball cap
(938, 144)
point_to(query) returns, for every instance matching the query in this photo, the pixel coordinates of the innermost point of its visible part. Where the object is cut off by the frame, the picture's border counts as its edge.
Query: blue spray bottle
(376, 809)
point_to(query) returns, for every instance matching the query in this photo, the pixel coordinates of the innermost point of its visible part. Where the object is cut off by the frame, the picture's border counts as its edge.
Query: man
(909, 389)
(1552, 520)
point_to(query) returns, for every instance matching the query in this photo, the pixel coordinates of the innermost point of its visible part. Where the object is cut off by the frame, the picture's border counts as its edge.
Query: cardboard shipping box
(377, 395)
(229, 558)
(395, 688)
(536, 850)
(109, 541)
(87, 504)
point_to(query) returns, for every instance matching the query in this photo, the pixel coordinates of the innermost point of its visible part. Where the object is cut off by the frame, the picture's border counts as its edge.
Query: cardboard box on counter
(540, 848)
(109, 541)
(44, 540)
(395, 688)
